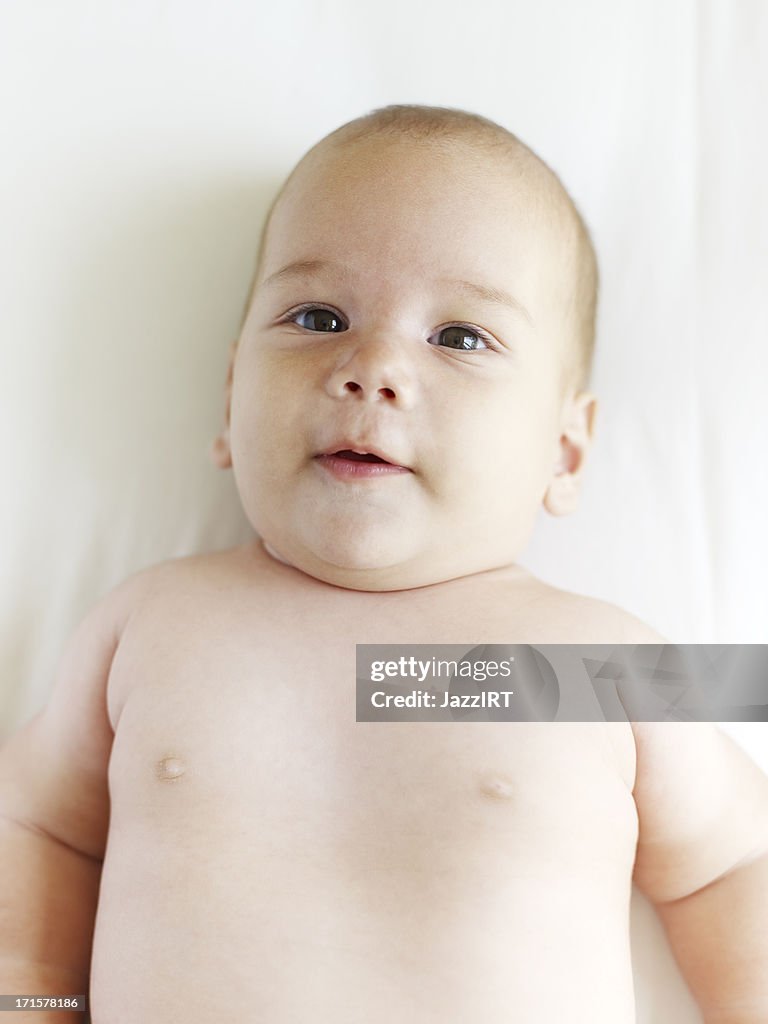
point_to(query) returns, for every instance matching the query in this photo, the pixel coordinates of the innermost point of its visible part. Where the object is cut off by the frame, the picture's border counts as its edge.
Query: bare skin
(270, 856)
(295, 865)
(266, 857)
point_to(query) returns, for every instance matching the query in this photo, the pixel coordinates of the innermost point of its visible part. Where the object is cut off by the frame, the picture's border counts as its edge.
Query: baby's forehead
(479, 194)
(450, 163)
(403, 207)
(509, 185)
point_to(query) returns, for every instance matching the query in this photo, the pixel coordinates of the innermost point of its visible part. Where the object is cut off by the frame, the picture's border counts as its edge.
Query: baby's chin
(372, 571)
(349, 560)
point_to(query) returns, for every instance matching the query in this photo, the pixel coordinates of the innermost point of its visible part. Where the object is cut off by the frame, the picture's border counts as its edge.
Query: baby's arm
(702, 859)
(54, 814)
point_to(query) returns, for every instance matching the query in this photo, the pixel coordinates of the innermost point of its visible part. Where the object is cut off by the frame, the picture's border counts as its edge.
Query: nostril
(352, 385)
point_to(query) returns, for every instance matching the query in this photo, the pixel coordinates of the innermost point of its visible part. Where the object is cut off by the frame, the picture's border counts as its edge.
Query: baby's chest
(240, 737)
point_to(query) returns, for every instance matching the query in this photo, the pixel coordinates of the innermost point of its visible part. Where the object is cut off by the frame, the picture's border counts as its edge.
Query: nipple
(170, 769)
(497, 786)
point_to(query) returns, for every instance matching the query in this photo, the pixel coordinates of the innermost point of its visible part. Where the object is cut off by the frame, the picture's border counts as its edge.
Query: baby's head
(425, 290)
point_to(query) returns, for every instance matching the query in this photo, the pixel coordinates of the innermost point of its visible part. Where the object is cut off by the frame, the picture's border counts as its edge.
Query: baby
(196, 829)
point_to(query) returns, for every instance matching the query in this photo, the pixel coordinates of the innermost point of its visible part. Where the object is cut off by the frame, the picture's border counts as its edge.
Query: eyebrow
(485, 293)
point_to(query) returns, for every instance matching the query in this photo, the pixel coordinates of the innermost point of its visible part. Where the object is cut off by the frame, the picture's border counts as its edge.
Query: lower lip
(351, 469)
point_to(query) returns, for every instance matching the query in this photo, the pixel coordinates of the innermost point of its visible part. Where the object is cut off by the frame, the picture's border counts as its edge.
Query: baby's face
(360, 336)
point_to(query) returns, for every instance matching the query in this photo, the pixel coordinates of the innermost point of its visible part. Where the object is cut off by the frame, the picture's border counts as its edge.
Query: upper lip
(362, 448)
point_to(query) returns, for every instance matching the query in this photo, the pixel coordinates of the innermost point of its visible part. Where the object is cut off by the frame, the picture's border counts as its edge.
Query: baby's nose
(375, 373)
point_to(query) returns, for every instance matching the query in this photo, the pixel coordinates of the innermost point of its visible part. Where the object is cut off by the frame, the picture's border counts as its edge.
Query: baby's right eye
(326, 321)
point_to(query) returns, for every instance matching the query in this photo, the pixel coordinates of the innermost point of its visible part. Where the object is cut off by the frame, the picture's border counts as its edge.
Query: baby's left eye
(459, 336)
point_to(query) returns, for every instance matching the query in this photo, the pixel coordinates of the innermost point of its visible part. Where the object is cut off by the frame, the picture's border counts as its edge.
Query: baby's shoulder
(183, 569)
(185, 576)
(579, 618)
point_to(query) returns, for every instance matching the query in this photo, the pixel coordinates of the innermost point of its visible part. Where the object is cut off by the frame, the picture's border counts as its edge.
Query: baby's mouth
(345, 453)
(380, 459)
(359, 464)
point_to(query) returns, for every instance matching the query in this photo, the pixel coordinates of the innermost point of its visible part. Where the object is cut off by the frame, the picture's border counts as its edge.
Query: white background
(141, 144)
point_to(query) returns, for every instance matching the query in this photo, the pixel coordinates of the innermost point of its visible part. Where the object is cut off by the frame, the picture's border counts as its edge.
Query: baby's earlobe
(219, 453)
(562, 495)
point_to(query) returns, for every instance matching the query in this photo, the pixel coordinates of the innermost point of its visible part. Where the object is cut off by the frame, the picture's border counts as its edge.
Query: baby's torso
(270, 859)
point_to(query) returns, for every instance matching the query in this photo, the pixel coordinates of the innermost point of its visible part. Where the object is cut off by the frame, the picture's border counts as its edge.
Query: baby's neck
(513, 572)
(271, 551)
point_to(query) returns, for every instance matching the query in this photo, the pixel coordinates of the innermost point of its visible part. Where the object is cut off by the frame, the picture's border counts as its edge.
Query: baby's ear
(562, 494)
(219, 451)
